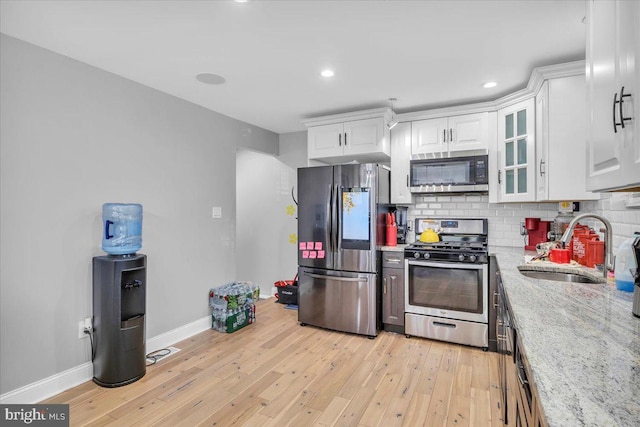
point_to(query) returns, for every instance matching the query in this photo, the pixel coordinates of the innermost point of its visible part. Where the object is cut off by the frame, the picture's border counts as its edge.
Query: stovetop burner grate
(449, 246)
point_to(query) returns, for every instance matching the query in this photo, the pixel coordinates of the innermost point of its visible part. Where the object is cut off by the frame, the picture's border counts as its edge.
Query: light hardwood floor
(276, 373)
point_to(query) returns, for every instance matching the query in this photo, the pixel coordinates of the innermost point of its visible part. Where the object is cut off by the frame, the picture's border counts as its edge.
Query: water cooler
(119, 299)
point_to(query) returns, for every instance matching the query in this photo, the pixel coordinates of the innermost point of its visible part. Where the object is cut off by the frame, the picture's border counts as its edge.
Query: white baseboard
(178, 334)
(43, 389)
(50, 386)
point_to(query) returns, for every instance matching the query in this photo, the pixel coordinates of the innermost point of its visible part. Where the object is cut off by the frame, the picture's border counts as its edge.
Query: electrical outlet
(84, 325)
(523, 229)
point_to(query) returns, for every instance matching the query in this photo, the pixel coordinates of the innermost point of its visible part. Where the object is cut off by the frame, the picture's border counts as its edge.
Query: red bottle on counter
(391, 230)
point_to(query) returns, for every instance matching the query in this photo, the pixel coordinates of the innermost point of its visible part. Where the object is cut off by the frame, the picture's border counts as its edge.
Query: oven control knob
(416, 255)
(461, 257)
(426, 256)
(473, 258)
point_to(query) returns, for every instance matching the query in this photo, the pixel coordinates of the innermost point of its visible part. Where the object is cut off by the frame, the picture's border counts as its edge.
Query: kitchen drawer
(393, 259)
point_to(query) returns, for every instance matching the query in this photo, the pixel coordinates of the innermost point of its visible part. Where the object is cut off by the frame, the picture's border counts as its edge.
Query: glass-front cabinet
(516, 152)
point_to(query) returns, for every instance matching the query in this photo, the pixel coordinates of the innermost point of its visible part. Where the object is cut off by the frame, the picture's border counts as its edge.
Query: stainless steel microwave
(468, 174)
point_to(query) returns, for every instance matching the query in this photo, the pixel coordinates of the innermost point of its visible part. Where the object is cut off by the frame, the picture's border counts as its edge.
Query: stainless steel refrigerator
(340, 224)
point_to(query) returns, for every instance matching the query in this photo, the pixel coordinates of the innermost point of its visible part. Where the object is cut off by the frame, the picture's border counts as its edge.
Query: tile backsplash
(505, 218)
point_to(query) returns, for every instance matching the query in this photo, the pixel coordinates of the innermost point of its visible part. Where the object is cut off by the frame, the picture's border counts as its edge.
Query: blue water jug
(122, 225)
(625, 266)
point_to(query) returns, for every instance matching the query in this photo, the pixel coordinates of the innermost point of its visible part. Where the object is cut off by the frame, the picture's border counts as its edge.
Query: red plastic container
(595, 253)
(560, 256)
(578, 243)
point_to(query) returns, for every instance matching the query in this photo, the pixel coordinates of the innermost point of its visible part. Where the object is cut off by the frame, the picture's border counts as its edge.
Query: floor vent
(156, 356)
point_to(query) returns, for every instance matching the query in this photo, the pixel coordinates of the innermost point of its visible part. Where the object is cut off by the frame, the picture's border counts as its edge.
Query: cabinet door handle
(444, 135)
(450, 135)
(407, 180)
(495, 300)
(340, 140)
(615, 101)
(500, 176)
(541, 163)
(622, 96)
(384, 286)
(345, 139)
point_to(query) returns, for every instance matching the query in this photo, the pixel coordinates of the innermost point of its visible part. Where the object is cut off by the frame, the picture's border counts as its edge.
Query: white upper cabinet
(429, 136)
(560, 140)
(366, 137)
(613, 95)
(469, 132)
(325, 141)
(516, 153)
(361, 136)
(400, 163)
(450, 134)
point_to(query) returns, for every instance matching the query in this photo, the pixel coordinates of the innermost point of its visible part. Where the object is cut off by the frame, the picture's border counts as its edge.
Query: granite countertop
(582, 343)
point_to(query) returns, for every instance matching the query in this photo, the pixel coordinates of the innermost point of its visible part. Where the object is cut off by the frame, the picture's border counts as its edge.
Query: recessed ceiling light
(489, 85)
(241, 1)
(327, 73)
(210, 78)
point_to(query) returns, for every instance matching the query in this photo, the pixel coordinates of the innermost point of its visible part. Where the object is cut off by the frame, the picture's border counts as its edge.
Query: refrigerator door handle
(337, 212)
(331, 221)
(340, 279)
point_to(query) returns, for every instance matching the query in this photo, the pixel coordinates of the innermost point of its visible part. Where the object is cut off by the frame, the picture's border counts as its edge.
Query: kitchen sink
(557, 276)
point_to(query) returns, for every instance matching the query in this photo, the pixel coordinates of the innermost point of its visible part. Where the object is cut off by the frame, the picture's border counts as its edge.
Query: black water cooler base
(119, 305)
(113, 385)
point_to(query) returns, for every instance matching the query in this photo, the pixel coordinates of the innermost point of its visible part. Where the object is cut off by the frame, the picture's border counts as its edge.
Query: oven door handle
(447, 265)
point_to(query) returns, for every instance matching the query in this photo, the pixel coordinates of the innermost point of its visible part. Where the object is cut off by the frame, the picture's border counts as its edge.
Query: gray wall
(72, 138)
(266, 225)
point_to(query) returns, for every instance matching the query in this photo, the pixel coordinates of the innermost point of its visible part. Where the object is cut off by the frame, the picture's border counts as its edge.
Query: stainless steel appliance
(446, 283)
(340, 224)
(469, 174)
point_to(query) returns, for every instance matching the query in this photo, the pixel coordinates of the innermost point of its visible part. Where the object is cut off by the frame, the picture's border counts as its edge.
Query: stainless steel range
(447, 282)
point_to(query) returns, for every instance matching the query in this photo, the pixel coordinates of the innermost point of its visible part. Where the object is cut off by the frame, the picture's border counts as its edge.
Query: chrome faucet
(608, 233)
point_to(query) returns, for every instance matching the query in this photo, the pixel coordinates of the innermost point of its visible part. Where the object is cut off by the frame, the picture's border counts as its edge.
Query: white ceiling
(424, 53)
